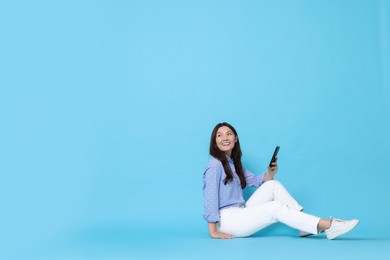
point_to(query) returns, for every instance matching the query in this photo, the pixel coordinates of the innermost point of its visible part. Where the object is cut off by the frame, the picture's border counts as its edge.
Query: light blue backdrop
(107, 107)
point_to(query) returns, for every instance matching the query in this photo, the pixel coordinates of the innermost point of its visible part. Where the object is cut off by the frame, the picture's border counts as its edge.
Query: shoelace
(335, 221)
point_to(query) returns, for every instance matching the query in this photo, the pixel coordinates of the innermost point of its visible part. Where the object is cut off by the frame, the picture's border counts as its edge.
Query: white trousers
(269, 204)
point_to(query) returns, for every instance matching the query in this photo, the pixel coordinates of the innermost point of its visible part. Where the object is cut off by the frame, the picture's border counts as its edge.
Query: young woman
(227, 213)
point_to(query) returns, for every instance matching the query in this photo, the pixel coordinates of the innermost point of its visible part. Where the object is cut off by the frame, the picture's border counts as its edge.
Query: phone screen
(273, 159)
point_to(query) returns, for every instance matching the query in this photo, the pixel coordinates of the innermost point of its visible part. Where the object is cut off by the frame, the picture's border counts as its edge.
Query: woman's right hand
(220, 235)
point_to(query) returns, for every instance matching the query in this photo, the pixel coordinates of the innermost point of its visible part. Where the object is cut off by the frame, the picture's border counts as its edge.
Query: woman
(227, 213)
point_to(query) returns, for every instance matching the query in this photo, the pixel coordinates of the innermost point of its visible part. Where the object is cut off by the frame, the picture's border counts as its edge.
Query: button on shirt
(217, 195)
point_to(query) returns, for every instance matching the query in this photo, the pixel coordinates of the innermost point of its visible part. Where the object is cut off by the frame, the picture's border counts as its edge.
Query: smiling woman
(224, 139)
(226, 212)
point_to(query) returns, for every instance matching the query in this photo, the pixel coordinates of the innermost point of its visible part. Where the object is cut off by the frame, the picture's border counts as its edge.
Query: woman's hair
(220, 155)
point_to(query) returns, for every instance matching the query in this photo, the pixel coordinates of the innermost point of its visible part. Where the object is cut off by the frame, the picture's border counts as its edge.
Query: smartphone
(273, 159)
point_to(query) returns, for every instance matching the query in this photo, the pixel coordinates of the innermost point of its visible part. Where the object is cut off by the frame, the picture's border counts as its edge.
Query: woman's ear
(236, 139)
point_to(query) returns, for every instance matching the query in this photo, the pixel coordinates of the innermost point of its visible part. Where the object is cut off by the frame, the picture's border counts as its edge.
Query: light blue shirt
(217, 195)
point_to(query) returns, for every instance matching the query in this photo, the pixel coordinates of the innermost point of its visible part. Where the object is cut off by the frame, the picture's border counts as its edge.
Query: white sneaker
(340, 227)
(306, 234)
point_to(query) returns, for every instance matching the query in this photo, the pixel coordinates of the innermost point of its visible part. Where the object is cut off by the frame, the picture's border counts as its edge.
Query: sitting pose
(227, 213)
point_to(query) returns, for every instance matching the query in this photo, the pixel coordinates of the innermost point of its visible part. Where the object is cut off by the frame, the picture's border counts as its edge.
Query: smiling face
(225, 140)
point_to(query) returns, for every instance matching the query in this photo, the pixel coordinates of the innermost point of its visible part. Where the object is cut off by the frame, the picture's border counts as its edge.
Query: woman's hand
(215, 234)
(220, 235)
(270, 174)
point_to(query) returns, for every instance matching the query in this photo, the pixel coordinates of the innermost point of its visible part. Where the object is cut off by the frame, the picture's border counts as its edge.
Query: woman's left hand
(270, 174)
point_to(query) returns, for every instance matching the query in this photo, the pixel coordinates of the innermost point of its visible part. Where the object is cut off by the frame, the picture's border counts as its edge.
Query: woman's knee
(272, 183)
(276, 182)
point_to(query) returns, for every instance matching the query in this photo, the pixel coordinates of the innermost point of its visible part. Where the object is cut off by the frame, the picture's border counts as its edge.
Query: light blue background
(107, 107)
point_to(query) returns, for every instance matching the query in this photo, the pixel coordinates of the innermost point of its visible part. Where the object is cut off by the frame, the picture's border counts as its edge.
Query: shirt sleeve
(252, 179)
(211, 182)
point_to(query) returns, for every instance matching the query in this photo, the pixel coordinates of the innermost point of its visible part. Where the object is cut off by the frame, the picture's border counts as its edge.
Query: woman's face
(225, 140)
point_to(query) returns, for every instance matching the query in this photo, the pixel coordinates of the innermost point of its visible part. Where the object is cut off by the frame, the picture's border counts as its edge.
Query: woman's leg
(242, 222)
(270, 191)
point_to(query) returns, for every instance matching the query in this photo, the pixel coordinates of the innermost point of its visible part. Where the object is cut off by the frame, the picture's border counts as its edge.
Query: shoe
(306, 234)
(339, 227)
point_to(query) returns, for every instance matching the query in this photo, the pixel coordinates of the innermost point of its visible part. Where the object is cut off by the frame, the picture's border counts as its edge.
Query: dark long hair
(236, 155)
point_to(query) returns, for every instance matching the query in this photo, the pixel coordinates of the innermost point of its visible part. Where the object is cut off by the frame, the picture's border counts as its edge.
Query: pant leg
(242, 222)
(270, 191)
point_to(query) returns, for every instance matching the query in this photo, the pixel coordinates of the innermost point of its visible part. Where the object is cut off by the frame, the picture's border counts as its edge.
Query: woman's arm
(215, 234)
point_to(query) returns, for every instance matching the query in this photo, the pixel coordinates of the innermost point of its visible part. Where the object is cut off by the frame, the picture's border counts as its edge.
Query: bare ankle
(324, 224)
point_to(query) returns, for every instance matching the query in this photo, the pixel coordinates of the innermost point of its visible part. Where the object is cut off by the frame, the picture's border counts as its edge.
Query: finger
(227, 236)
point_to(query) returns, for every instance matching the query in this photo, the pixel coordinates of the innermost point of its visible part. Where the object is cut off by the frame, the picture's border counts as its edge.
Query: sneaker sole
(305, 234)
(345, 231)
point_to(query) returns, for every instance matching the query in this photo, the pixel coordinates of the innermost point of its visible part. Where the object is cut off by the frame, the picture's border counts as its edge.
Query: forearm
(212, 228)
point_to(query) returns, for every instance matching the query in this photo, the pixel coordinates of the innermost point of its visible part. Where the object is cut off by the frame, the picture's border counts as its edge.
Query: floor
(118, 243)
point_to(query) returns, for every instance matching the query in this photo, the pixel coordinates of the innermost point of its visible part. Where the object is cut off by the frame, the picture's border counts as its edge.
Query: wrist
(214, 234)
(268, 176)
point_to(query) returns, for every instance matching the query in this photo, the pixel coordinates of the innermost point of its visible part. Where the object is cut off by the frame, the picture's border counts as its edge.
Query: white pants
(269, 204)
